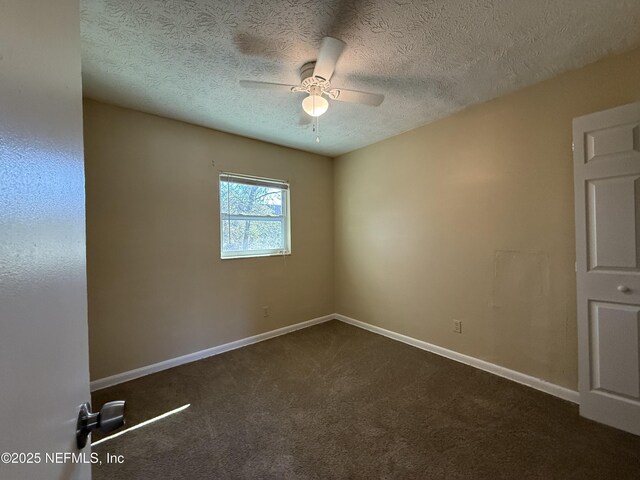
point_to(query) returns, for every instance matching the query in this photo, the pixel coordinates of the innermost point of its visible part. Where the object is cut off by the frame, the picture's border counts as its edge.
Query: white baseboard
(192, 357)
(533, 382)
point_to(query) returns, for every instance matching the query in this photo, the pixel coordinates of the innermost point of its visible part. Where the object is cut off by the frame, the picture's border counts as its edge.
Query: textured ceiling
(183, 58)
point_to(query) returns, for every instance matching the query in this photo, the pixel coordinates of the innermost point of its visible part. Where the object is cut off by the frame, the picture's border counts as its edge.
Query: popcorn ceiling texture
(183, 58)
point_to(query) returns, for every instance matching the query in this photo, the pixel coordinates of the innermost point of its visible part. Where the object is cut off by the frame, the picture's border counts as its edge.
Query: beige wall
(471, 218)
(157, 286)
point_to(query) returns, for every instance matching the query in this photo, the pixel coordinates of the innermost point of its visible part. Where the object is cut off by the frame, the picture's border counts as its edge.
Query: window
(254, 216)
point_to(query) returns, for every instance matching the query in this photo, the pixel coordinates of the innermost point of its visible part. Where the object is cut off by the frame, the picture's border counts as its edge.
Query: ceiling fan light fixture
(315, 105)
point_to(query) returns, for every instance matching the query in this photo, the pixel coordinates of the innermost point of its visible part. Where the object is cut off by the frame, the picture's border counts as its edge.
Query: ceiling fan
(315, 80)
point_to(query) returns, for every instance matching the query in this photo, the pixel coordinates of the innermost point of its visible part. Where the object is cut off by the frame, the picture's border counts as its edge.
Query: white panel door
(607, 200)
(44, 368)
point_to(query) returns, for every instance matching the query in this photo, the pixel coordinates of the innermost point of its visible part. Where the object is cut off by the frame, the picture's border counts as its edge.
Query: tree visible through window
(254, 216)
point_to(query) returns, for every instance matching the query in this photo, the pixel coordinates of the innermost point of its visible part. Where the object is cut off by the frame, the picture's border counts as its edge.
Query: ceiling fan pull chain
(317, 129)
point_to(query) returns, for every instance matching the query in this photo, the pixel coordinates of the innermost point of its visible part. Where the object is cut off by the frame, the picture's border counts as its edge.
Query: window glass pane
(239, 235)
(254, 216)
(242, 199)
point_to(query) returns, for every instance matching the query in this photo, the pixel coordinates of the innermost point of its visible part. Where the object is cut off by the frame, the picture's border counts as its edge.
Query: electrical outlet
(457, 326)
(265, 311)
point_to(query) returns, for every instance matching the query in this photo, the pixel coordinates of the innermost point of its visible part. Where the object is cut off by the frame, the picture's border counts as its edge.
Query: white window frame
(285, 217)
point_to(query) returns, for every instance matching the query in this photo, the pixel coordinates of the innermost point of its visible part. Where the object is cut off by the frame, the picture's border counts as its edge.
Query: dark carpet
(335, 401)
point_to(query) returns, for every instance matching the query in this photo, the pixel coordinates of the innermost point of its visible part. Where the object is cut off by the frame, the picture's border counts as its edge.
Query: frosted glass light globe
(315, 105)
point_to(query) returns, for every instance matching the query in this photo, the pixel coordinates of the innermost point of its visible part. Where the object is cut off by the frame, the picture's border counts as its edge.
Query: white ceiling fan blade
(267, 85)
(330, 51)
(354, 96)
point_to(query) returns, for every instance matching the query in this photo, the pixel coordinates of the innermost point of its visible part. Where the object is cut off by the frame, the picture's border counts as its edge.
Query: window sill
(257, 255)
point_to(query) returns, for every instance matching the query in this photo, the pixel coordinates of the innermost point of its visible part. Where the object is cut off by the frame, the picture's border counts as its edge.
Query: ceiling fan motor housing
(306, 70)
(311, 84)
